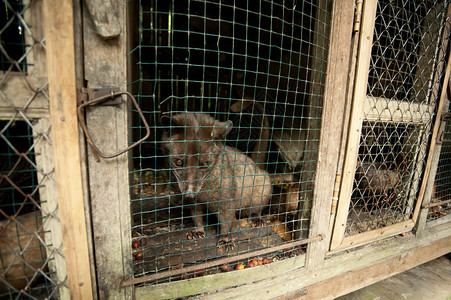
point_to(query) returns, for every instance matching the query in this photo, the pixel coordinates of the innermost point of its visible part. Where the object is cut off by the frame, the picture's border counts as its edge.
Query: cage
(252, 70)
(220, 149)
(439, 203)
(400, 96)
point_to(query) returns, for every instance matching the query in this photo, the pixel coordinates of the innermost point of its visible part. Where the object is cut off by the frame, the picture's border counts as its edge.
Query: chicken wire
(441, 191)
(406, 71)
(259, 65)
(31, 258)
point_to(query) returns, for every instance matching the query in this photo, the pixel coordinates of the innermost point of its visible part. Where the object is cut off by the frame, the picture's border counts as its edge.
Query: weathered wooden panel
(105, 66)
(331, 130)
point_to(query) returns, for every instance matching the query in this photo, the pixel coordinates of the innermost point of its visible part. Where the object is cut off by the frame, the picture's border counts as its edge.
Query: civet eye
(179, 162)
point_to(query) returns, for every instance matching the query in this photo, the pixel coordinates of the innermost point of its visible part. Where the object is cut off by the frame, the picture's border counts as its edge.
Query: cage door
(399, 74)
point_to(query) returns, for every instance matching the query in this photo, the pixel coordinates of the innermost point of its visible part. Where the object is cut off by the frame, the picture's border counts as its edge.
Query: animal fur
(210, 175)
(377, 180)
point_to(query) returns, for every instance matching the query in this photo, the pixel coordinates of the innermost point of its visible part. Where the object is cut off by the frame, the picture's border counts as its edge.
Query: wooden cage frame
(84, 50)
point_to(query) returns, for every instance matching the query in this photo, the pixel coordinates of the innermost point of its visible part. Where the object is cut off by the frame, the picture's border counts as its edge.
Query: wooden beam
(364, 54)
(362, 277)
(59, 32)
(48, 192)
(331, 129)
(397, 111)
(294, 283)
(374, 235)
(109, 178)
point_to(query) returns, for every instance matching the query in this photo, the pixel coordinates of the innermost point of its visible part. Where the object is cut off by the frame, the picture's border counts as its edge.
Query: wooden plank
(48, 192)
(396, 111)
(364, 54)
(269, 285)
(331, 129)
(440, 221)
(109, 178)
(345, 126)
(59, 32)
(431, 280)
(373, 235)
(19, 91)
(7, 113)
(362, 277)
(79, 73)
(216, 282)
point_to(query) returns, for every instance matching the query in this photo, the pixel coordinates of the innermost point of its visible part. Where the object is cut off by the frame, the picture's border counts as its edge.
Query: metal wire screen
(406, 71)
(31, 260)
(233, 91)
(442, 185)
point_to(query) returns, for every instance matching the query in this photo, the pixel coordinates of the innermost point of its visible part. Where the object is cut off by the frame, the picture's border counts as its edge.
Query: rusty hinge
(105, 96)
(358, 15)
(336, 193)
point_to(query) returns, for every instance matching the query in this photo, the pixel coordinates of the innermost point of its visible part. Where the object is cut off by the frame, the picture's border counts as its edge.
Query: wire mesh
(442, 184)
(233, 91)
(31, 258)
(406, 71)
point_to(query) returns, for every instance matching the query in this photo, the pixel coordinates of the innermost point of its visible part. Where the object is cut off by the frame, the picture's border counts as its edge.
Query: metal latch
(88, 94)
(106, 96)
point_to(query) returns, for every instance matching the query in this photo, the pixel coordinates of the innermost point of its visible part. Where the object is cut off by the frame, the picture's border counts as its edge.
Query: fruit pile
(250, 264)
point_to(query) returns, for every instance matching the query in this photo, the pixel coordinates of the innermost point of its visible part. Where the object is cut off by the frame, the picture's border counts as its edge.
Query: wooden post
(364, 53)
(59, 32)
(49, 191)
(105, 62)
(331, 130)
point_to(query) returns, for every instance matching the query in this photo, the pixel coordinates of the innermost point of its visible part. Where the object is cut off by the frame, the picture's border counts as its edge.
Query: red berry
(139, 255)
(260, 262)
(135, 244)
(250, 265)
(239, 267)
(225, 268)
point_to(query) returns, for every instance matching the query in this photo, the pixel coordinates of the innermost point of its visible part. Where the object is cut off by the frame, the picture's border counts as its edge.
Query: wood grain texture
(295, 283)
(331, 129)
(364, 54)
(106, 66)
(59, 32)
(48, 191)
(359, 278)
(377, 234)
(431, 280)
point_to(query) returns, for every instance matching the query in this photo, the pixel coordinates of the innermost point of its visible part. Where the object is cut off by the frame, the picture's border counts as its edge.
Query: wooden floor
(430, 281)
